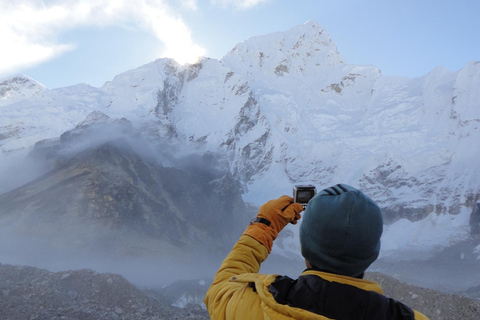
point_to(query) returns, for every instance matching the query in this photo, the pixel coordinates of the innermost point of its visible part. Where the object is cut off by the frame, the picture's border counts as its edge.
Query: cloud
(172, 31)
(29, 29)
(189, 4)
(26, 41)
(239, 4)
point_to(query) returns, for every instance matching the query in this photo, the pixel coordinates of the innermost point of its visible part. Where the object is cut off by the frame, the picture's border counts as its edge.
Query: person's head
(340, 232)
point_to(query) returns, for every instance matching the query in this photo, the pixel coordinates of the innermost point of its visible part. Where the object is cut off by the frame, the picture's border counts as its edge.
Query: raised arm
(250, 251)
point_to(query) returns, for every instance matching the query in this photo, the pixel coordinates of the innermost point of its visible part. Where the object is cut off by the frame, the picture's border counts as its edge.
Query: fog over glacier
(155, 174)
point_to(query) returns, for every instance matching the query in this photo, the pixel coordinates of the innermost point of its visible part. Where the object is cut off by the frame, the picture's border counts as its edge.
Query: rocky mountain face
(108, 194)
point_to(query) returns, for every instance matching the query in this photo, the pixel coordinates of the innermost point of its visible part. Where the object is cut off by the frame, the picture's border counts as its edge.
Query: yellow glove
(272, 217)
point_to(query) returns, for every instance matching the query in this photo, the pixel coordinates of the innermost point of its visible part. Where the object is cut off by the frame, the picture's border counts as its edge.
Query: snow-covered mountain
(18, 88)
(286, 108)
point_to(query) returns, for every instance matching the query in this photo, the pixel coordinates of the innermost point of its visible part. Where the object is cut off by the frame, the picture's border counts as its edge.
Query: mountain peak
(17, 88)
(299, 49)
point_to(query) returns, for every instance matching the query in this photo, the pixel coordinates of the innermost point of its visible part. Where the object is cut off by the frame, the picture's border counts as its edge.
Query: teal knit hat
(341, 231)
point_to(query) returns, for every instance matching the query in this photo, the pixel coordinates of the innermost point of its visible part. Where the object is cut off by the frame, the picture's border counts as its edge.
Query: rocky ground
(36, 294)
(29, 293)
(434, 304)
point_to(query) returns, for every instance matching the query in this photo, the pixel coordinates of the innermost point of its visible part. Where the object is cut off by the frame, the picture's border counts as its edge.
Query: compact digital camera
(303, 193)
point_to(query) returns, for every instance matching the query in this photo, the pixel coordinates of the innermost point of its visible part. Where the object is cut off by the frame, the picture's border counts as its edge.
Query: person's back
(340, 238)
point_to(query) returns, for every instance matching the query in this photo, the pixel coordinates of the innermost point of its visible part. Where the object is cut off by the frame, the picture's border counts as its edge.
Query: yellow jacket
(239, 292)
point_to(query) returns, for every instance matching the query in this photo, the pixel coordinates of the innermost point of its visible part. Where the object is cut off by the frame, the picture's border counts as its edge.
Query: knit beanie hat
(341, 231)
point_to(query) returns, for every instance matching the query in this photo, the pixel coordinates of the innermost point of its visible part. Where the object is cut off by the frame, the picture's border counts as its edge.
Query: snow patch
(477, 251)
(187, 299)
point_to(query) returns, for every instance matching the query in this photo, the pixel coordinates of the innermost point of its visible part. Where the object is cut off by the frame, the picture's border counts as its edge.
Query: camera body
(303, 193)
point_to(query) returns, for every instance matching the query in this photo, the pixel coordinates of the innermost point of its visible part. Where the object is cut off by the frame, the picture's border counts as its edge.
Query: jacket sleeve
(245, 257)
(420, 316)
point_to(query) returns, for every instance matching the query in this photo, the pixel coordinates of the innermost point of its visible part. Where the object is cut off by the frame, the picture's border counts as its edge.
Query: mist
(76, 248)
(105, 197)
(17, 169)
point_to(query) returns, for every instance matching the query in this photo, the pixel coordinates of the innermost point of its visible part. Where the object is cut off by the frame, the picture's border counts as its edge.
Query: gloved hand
(274, 216)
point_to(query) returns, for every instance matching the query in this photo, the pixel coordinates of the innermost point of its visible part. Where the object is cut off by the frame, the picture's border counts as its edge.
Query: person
(339, 239)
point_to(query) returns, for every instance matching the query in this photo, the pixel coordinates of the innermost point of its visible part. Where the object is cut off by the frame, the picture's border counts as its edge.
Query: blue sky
(62, 43)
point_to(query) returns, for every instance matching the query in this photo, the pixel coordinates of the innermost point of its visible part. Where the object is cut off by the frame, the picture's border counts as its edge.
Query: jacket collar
(359, 283)
(268, 279)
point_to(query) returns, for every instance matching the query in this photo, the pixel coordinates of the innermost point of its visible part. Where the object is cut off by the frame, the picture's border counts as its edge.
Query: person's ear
(308, 264)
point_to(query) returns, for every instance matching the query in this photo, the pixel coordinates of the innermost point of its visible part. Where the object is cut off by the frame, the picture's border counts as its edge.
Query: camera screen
(303, 196)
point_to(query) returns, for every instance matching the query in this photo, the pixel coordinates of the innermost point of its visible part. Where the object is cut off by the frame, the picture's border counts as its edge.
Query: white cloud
(23, 38)
(189, 4)
(29, 29)
(239, 4)
(172, 32)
